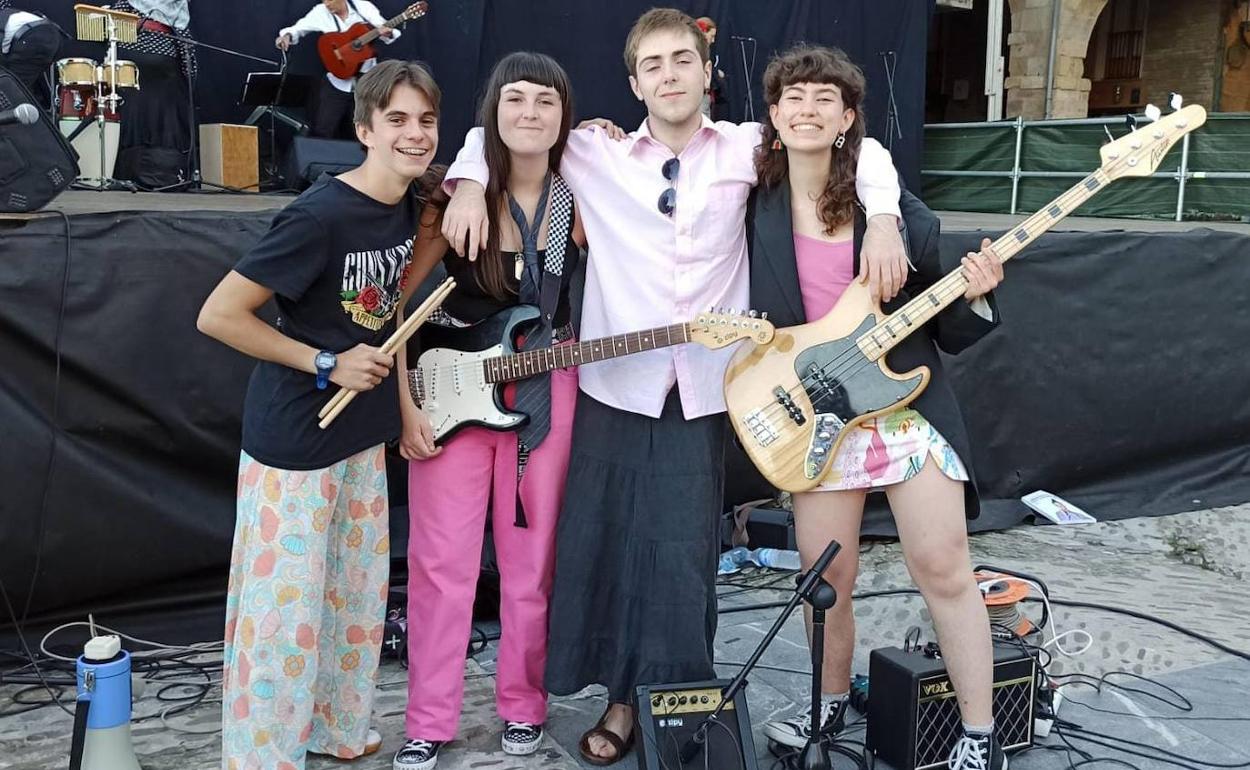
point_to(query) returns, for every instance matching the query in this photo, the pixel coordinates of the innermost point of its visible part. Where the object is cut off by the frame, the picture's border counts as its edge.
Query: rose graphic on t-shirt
(369, 298)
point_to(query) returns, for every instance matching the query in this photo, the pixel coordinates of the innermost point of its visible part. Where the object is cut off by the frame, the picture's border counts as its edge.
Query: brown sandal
(621, 745)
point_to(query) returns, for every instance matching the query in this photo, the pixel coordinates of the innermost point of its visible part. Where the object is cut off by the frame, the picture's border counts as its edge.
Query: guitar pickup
(787, 403)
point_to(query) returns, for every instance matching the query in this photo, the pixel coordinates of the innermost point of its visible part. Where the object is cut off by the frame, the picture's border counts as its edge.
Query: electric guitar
(792, 401)
(459, 379)
(342, 53)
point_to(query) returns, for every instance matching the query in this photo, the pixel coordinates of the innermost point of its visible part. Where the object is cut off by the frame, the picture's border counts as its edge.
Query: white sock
(978, 730)
(826, 699)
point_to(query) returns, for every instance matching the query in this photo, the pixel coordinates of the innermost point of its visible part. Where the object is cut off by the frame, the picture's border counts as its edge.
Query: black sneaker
(417, 755)
(795, 731)
(977, 752)
(521, 738)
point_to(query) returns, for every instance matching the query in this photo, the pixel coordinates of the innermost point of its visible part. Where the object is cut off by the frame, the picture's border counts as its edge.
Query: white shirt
(171, 13)
(322, 19)
(646, 269)
(18, 20)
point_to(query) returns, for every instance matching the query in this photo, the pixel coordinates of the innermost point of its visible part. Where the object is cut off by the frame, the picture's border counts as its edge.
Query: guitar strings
(943, 286)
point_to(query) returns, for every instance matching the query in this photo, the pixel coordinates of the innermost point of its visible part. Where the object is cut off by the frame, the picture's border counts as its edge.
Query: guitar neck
(518, 366)
(882, 338)
(376, 32)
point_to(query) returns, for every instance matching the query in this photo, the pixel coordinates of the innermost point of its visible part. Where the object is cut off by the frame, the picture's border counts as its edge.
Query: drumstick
(410, 325)
(437, 296)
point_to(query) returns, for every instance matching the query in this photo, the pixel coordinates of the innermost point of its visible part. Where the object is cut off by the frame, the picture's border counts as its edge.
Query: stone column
(1029, 42)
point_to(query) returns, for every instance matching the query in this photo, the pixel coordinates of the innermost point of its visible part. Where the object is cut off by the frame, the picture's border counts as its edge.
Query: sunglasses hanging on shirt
(668, 199)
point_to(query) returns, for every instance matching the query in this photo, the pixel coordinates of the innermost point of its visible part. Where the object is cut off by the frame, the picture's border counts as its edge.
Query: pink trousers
(448, 499)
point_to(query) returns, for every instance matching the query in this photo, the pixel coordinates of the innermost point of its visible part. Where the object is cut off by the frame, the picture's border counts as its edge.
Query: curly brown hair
(805, 63)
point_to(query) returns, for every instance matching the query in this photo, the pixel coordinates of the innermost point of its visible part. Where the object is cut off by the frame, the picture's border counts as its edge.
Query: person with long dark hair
(807, 228)
(518, 476)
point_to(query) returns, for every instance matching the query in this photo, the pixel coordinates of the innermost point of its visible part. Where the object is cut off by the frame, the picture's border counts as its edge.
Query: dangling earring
(777, 145)
(841, 140)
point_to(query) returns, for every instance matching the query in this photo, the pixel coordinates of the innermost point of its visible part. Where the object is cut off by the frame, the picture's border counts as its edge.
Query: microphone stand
(749, 99)
(813, 589)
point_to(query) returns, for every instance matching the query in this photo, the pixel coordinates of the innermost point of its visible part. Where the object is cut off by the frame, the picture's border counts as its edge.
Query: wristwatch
(324, 362)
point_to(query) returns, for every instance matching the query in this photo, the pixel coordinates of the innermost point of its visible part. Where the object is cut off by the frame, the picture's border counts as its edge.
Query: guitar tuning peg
(1110, 138)
(752, 314)
(1130, 121)
(1175, 101)
(764, 316)
(1153, 113)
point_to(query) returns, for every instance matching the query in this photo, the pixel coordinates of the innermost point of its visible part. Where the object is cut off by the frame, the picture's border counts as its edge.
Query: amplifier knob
(672, 700)
(657, 701)
(704, 699)
(682, 700)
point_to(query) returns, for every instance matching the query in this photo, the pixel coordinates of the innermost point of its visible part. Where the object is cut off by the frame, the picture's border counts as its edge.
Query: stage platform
(75, 202)
(1182, 569)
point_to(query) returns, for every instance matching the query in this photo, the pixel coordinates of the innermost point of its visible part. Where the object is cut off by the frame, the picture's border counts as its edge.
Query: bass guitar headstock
(1141, 152)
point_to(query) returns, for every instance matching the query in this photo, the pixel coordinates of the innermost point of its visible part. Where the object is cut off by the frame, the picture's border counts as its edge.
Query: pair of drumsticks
(339, 402)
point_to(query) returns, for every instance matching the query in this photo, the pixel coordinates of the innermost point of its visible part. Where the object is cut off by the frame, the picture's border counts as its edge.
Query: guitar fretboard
(518, 366)
(882, 338)
(374, 33)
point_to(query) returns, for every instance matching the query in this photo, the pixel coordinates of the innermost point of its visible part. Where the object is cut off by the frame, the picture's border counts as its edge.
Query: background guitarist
(332, 104)
(806, 230)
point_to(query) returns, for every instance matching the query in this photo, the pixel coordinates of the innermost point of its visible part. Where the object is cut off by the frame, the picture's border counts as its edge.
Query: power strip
(1042, 725)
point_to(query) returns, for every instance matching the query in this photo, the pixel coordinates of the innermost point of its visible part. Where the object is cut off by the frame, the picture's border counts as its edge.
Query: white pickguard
(455, 390)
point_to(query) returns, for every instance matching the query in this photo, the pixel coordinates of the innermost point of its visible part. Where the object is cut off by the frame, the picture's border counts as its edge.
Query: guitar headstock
(1141, 152)
(415, 11)
(718, 329)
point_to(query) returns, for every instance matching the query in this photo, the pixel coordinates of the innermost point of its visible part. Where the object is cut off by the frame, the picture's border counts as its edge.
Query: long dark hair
(537, 68)
(805, 63)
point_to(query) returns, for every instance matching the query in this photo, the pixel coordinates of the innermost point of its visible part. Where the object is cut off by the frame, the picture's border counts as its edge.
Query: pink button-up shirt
(647, 270)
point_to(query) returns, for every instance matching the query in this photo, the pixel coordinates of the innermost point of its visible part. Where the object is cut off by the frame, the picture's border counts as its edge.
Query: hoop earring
(841, 140)
(777, 145)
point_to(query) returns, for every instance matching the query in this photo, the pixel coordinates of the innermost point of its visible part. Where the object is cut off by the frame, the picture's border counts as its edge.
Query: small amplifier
(669, 716)
(913, 715)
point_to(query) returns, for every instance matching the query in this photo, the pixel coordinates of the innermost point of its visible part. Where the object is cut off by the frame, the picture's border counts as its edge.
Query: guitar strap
(559, 228)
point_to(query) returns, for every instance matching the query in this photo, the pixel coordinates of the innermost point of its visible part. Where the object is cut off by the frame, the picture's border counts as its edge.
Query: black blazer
(775, 289)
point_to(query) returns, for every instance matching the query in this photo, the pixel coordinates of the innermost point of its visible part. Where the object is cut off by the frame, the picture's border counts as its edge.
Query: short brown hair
(374, 88)
(658, 20)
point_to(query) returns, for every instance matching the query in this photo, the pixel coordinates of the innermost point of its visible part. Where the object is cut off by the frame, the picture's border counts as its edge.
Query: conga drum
(76, 88)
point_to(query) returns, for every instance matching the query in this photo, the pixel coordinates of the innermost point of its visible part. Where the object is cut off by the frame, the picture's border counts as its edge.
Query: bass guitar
(792, 401)
(343, 52)
(459, 379)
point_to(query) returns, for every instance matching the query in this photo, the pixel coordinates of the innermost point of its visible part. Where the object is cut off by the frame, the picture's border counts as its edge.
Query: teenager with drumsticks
(308, 574)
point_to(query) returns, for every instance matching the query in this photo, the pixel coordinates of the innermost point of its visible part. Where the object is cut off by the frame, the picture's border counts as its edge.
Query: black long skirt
(634, 600)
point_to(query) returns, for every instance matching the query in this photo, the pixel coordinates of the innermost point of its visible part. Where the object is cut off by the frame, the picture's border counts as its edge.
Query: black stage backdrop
(462, 40)
(1118, 380)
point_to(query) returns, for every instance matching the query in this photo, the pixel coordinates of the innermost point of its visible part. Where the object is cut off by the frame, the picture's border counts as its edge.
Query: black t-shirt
(335, 259)
(470, 303)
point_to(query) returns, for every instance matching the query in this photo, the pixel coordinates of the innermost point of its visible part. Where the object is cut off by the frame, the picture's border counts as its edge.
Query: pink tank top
(825, 270)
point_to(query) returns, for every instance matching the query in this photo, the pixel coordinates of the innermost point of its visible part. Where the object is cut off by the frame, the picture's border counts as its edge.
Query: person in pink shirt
(805, 229)
(664, 211)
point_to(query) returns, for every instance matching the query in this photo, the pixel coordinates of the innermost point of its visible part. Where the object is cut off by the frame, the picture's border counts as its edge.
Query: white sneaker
(521, 738)
(795, 731)
(417, 755)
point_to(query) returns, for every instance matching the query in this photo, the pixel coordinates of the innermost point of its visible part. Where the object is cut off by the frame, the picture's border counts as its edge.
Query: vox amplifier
(913, 715)
(669, 715)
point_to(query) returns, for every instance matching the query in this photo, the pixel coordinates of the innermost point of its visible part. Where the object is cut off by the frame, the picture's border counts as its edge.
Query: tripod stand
(892, 126)
(813, 589)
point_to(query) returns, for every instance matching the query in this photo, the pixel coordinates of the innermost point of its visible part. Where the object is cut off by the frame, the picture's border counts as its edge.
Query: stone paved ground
(1190, 569)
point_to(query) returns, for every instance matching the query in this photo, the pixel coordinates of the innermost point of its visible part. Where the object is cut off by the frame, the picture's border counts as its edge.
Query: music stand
(267, 91)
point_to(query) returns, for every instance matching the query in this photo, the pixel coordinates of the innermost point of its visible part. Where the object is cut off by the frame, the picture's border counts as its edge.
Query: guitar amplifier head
(669, 715)
(913, 715)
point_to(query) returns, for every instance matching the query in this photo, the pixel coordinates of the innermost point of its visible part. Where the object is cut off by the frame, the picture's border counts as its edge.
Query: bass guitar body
(791, 401)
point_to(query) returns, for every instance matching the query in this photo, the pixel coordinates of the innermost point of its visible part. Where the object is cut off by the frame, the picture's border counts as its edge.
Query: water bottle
(732, 560)
(776, 558)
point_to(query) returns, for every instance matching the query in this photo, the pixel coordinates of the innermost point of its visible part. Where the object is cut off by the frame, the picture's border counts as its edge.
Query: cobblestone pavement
(1190, 569)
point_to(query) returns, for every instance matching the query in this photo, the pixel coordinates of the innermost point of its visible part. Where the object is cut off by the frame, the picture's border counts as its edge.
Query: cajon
(229, 156)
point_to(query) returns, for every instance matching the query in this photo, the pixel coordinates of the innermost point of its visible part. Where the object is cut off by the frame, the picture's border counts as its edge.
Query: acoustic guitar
(343, 52)
(792, 401)
(459, 379)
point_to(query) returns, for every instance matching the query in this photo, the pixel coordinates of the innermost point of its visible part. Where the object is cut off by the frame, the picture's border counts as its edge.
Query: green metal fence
(1012, 167)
